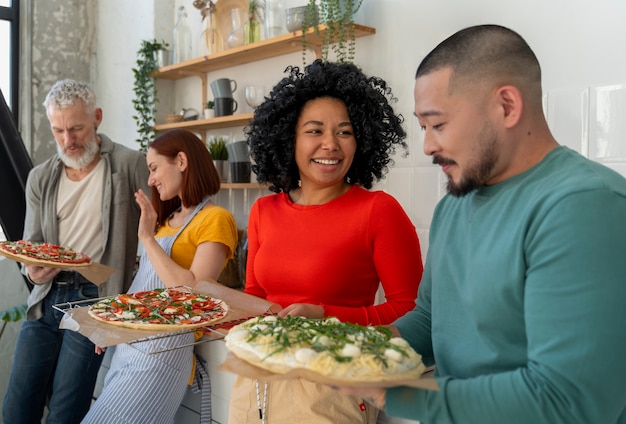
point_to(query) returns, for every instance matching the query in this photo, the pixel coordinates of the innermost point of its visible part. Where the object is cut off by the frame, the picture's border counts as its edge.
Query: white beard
(92, 148)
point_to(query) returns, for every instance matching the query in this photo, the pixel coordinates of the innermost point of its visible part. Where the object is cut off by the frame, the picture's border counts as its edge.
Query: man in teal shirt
(521, 305)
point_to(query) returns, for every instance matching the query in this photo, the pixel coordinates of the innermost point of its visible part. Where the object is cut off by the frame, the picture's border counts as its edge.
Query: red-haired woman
(185, 238)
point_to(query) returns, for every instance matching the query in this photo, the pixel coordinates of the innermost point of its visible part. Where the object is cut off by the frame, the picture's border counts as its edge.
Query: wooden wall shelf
(264, 49)
(251, 186)
(238, 120)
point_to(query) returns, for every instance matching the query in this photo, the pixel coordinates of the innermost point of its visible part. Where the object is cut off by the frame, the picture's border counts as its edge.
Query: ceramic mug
(223, 87)
(238, 151)
(240, 172)
(225, 106)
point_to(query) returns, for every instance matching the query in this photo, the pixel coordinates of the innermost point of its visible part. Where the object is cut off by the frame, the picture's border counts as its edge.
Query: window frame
(12, 15)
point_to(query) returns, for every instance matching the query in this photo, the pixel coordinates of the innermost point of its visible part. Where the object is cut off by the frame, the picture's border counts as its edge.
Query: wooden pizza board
(240, 306)
(243, 368)
(93, 271)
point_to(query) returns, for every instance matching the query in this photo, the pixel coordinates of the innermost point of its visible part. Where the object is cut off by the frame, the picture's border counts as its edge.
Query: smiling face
(74, 130)
(325, 143)
(458, 132)
(166, 175)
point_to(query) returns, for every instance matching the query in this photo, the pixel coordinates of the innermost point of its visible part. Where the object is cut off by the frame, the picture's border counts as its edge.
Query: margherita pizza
(159, 309)
(43, 254)
(327, 347)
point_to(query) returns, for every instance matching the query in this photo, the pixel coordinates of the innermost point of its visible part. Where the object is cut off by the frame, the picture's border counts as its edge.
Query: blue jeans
(61, 364)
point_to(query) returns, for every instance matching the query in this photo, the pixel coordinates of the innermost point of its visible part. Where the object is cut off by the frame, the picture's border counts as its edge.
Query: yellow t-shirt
(211, 224)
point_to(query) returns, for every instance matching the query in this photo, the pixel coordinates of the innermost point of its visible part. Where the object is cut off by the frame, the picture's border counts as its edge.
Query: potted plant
(208, 110)
(145, 90)
(13, 314)
(219, 154)
(338, 17)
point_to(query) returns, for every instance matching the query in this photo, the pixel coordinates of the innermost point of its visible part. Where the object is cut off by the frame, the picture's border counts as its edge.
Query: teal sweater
(522, 304)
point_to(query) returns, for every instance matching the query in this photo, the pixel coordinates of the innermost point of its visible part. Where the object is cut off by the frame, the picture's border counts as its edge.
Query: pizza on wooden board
(160, 309)
(327, 347)
(43, 254)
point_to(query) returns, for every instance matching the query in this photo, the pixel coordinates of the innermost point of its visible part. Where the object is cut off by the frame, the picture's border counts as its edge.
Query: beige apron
(296, 401)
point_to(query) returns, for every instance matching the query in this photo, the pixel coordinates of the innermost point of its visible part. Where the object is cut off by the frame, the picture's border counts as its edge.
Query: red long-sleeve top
(335, 255)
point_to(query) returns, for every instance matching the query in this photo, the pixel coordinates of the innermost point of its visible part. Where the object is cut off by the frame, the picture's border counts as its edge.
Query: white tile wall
(607, 138)
(567, 113)
(591, 121)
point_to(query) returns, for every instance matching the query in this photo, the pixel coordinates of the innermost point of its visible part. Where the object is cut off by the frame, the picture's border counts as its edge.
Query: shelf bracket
(317, 50)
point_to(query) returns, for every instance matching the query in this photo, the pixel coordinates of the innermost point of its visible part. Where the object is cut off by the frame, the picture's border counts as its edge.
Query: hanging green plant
(338, 16)
(145, 91)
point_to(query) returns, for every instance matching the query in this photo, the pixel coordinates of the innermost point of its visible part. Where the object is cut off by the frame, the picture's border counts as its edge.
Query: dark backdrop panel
(15, 164)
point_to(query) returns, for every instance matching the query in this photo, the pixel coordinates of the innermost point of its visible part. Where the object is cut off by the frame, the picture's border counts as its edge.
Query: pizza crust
(249, 354)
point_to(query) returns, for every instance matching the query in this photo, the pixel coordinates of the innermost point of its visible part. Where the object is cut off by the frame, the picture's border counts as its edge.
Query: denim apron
(144, 387)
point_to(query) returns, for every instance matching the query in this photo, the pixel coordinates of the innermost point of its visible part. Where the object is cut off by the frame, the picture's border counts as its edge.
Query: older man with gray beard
(82, 197)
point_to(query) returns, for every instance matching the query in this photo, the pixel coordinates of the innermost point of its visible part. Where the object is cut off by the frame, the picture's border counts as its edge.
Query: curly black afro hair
(377, 129)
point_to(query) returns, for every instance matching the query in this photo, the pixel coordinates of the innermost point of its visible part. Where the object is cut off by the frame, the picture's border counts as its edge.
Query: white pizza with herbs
(327, 347)
(159, 309)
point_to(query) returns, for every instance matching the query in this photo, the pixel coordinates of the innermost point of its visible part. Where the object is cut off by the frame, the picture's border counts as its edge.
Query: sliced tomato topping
(129, 300)
(157, 303)
(143, 311)
(146, 294)
(205, 305)
(182, 297)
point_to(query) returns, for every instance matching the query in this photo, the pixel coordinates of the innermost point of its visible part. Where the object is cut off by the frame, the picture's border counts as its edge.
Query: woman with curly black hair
(376, 128)
(323, 244)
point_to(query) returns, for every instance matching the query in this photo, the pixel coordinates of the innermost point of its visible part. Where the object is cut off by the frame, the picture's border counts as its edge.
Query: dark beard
(477, 176)
(473, 179)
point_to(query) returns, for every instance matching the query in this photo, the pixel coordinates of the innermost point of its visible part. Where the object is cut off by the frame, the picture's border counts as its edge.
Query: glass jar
(274, 18)
(182, 38)
(235, 38)
(211, 40)
(252, 29)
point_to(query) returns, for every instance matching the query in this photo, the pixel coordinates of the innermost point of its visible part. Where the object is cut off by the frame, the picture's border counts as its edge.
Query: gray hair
(64, 93)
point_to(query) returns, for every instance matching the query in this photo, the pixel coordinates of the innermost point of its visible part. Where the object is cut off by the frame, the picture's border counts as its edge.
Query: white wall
(121, 27)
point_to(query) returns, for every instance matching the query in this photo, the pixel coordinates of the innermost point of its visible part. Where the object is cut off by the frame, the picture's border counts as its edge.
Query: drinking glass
(255, 95)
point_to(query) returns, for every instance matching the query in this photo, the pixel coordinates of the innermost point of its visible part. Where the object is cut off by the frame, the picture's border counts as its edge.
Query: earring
(348, 180)
(299, 183)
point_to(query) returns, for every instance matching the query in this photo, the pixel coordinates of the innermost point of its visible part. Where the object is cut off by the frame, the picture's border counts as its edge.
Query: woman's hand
(100, 350)
(302, 310)
(147, 220)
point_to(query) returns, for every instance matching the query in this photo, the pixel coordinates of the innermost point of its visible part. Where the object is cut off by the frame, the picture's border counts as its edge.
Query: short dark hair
(485, 51)
(200, 179)
(377, 129)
